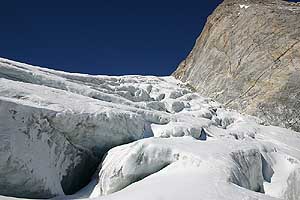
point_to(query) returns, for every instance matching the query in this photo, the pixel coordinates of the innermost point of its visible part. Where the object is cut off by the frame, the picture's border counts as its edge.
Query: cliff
(248, 58)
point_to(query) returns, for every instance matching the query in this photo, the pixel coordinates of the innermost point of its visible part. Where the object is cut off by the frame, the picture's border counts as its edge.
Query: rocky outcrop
(248, 58)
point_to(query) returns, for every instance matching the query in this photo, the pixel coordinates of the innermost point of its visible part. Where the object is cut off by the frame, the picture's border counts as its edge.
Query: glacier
(76, 136)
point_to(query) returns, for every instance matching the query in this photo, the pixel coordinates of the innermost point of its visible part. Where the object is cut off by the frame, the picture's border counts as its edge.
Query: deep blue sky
(102, 36)
(112, 37)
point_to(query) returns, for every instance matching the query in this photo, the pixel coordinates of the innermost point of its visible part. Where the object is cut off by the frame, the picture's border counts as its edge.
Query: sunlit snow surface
(186, 146)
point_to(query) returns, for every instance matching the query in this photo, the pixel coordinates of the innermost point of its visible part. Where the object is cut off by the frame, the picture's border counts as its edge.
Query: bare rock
(248, 58)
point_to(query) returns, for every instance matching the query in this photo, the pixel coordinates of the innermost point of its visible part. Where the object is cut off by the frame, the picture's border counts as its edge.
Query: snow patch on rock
(244, 6)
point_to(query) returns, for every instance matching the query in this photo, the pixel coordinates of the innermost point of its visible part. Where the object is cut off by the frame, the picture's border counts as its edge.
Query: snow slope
(169, 143)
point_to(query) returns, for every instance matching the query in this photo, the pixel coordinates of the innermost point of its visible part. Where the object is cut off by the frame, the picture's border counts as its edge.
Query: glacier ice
(134, 137)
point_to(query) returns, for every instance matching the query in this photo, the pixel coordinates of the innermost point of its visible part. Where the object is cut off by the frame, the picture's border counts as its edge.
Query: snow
(159, 141)
(283, 166)
(244, 6)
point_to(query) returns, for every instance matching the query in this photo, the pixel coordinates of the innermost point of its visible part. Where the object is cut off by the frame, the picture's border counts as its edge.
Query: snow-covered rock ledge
(56, 127)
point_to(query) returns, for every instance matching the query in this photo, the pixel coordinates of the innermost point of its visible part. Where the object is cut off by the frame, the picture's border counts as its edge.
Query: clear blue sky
(111, 37)
(102, 36)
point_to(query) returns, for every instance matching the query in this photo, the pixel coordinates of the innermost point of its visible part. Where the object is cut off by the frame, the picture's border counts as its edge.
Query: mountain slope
(149, 137)
(248, 58)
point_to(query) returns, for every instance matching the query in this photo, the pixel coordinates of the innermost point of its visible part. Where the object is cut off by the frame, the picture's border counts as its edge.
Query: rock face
(248, 58)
